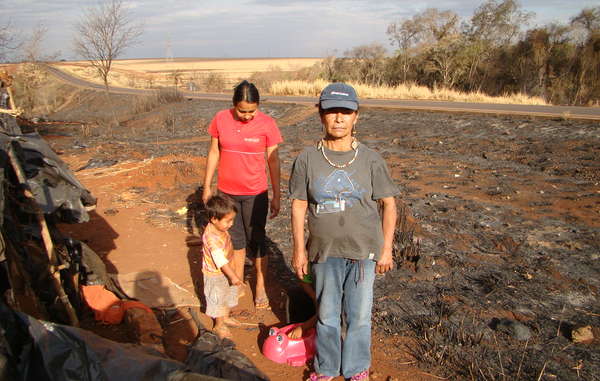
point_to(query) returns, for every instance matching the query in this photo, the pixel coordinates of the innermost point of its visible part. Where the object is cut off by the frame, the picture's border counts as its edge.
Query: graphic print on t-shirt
(336, 192)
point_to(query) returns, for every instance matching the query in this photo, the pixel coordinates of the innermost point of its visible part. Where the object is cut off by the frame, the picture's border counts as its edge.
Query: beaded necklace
(321, 146)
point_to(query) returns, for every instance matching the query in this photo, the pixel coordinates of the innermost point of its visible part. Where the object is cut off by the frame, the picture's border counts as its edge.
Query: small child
(220, 282)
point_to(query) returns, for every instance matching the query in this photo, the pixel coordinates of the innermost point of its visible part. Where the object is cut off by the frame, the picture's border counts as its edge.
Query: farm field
(149, 73)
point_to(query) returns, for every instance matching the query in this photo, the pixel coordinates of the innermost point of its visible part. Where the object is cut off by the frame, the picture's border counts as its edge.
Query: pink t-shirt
(242, 164)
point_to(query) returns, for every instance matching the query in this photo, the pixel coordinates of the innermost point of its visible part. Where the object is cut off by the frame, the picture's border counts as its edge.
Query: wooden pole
(11, 101)
(49, 245)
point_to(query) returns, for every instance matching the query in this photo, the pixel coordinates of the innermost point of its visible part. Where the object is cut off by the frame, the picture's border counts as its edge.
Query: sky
(253, 28)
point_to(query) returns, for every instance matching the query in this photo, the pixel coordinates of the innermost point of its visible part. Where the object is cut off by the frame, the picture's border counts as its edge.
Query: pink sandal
(318, 377)
(362, 376)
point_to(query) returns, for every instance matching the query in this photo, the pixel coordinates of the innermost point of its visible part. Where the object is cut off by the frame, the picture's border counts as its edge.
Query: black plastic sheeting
(32, 350)
(8, 123)
(56, 190)
(211, 355)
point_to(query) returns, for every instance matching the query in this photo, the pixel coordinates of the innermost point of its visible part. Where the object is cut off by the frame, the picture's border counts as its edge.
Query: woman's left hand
(386, 263)
(274, 207)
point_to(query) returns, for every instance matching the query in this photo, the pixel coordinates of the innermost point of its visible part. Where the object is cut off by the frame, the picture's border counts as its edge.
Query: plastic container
(280, 348)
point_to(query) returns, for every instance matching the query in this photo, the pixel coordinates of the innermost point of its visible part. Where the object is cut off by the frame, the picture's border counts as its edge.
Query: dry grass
(406, 91)
(159, 97)
(34, 93)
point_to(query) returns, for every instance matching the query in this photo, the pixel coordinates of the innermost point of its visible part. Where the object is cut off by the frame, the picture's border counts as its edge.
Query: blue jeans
(343, 286)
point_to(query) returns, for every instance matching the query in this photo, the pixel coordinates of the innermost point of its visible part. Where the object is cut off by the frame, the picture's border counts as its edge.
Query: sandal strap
(318, 377)
(362, 376)
(262, 303)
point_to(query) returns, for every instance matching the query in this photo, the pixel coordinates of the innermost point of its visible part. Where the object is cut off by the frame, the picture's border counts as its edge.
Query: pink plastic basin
(280, 348)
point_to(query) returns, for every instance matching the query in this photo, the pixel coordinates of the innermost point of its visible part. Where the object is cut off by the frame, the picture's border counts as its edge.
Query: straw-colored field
(189, 72)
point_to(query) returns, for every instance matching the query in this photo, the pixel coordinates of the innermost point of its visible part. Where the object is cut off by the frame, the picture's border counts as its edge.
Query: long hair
(245, 91)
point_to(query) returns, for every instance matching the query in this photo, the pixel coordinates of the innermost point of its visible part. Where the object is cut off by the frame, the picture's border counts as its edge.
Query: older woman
(339, 182)
(241, 138)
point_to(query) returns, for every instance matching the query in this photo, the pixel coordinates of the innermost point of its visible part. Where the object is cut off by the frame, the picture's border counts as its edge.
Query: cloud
(238, 28)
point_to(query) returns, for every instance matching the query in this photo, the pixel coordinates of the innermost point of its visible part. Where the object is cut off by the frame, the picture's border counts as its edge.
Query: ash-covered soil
(497, 246)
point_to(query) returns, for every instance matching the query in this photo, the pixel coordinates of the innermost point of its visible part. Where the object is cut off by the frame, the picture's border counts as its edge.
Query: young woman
(241, 138)
(339, 183)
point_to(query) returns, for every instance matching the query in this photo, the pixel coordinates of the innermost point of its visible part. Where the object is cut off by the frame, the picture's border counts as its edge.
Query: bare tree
(8, 40)
(31, 72)
(588, 55)
(493, 24)
(440, 44)
(405, 34)
(328, 68)
(437, 26)
(368, 62)
(497, 22)
(431, 32)
(588, 19)
(445, 60)
(104, 33)
(32, 50)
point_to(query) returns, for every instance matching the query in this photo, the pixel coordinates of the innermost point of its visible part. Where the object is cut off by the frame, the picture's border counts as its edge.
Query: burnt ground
(499, 237)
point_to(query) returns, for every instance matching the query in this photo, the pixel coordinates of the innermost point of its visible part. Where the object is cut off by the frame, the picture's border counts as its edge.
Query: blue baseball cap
(338, 95)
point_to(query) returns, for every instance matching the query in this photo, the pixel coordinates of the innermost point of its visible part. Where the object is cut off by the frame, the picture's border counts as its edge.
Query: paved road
(567, 112)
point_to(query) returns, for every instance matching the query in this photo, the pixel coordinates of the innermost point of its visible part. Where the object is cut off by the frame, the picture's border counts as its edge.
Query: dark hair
(245, 91)
(218, 206)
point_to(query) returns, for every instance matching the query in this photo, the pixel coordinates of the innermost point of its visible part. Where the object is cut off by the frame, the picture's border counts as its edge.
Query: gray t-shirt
(343, 220)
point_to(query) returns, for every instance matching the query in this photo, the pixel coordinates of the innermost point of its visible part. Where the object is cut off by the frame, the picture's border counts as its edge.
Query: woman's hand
(389, 216)
(206, 194)
(386, 262)
(275, 206)
(300, 263)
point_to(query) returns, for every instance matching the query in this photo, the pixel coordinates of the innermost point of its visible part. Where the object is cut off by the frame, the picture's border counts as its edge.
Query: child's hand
(234, 280)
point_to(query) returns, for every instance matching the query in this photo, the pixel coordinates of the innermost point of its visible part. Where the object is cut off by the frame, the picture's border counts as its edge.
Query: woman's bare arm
(211, 166)
(275, 173)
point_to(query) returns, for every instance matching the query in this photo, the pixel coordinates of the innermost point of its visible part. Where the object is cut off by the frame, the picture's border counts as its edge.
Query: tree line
(490, 53)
